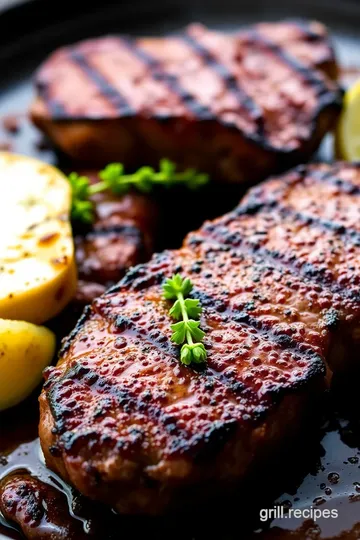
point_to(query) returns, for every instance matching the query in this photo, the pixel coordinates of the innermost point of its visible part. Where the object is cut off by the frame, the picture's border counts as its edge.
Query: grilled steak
(239, 106)
(126, 423)
(122, 236)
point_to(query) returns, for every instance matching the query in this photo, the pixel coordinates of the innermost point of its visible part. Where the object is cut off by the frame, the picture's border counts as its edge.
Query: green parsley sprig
(114, 179)
(187, 311)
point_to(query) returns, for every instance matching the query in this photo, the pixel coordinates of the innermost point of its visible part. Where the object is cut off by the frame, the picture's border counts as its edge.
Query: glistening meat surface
(126, 423)
(239, 106)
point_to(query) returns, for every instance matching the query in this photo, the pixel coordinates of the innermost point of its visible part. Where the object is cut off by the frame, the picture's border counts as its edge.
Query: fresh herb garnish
(81, 208)
(114, 179)
(187, 311)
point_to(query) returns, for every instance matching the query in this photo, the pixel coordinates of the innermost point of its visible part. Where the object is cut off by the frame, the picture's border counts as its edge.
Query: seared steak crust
(238, 106)
(125, 422)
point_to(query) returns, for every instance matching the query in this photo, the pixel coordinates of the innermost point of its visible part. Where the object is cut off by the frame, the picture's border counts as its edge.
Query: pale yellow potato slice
(37, 266)
(25, 350)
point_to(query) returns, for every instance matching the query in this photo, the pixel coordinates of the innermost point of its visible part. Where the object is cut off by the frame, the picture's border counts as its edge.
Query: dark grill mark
(307, 74)
(329, 177)
(106, 89)
(199, 110)
(351, 235)
(231, 84)
(206, 445)
(124, 324)
(137, 279)
(124, 229)
(332, 319)
(130, 402)
(130, 233)
(278, 261)
(309, 271)
(56, 108)
(304, 26)
(254, 206)
(109, 396)
(245, 318)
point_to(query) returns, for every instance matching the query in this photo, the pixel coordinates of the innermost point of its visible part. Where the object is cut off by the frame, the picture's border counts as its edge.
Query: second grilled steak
(237, 106)
(123, 235)
(278, 278)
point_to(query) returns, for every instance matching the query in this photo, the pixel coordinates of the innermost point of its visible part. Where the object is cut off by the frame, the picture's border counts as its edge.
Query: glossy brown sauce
(322, 471)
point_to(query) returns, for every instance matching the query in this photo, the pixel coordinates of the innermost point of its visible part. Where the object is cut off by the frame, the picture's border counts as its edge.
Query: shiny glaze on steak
(239, 106)
(278, 278)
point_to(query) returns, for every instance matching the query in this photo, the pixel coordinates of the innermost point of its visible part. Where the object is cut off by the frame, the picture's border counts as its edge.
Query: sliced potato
(37, 267)
(25, 350)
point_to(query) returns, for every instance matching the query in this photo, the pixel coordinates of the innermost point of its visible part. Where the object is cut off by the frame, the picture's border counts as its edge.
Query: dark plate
(324, 470)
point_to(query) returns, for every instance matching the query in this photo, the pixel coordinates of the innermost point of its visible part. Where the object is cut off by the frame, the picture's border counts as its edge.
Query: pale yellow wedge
(25, 350)
(37, 267)
(348, 130)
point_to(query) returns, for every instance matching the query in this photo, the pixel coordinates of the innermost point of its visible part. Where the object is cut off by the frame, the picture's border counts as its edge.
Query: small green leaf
(79, 185)
(175, 285)
(186, 286)
(121, 187)
(167, 167)
(195, 331)
(111, 175)
(179, 332)
(195, 352)
(82, 211)
(199, 353)
(171, 287)
(193, 308)
(175, 311)
(81, 208)
(197, 180)
(186, 355)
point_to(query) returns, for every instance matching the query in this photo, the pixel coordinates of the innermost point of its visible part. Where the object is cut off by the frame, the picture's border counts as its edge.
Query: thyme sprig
(187, 311)
(114, 179)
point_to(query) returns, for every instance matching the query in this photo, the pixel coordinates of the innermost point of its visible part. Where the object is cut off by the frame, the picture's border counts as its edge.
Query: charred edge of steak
(138, 278)
(329, 177)
(67, 341)
(327, 98)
